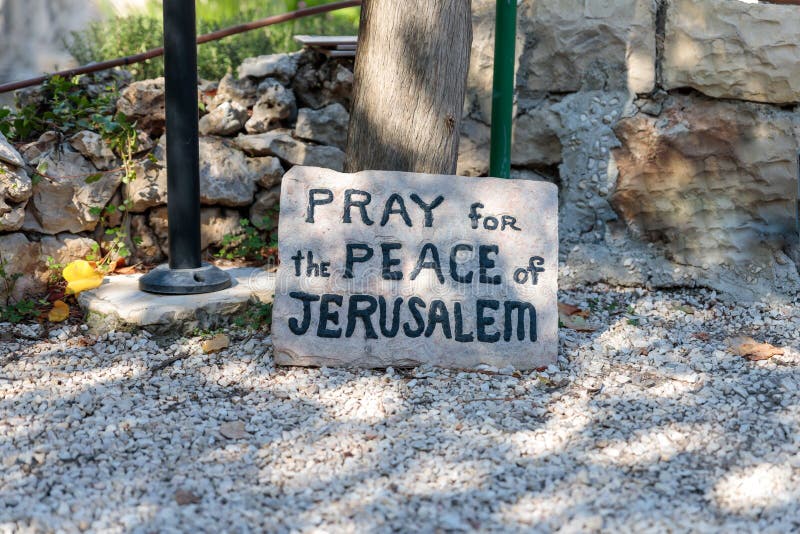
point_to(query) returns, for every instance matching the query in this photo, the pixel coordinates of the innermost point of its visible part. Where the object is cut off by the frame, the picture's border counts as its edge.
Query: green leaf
(92, 178)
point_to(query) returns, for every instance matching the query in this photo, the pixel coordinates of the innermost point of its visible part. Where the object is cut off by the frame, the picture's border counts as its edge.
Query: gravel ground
(648, 424)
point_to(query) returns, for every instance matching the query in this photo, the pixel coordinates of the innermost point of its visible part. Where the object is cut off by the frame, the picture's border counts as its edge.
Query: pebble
(636, 428)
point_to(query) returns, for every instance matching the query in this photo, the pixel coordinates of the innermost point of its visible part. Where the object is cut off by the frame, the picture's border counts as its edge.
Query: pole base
(165, 281)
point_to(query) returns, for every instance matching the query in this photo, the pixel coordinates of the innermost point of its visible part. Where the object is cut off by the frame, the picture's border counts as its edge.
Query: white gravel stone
(636, 428)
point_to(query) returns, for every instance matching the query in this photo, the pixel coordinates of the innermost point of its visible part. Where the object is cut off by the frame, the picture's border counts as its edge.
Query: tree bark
(410, 80)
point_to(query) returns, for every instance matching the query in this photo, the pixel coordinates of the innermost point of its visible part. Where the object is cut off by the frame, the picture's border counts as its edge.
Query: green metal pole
(505, 38)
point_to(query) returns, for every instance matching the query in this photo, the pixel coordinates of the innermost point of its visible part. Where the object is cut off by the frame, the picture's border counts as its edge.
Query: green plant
(257, 316)
(248, 244)
(54, 269)
(10, 310)
(123, 36)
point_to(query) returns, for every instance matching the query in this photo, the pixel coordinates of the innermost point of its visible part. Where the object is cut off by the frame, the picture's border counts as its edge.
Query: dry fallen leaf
(570, 310)
(184, 497)
(59, 312)
(131, 269)
(216, 343)
(749, 348)
(233, 430)
(574, 318)
(576, 322)
(702, 336)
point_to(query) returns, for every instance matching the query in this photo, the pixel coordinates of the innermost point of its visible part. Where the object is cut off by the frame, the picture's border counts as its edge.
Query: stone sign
(398, 269)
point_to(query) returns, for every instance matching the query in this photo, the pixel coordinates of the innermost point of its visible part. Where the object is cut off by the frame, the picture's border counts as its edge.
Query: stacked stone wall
(670, 126)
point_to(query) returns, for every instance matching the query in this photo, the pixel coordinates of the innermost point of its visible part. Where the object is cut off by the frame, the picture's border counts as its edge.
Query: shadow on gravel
(644, 428)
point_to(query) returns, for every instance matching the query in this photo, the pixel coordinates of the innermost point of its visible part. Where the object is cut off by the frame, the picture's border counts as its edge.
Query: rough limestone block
(588, 44)
(118, 304)
(734, 49)
(715, 182)
(457, 290)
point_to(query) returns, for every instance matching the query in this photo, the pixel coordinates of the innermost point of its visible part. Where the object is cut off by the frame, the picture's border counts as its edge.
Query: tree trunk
(410, 79)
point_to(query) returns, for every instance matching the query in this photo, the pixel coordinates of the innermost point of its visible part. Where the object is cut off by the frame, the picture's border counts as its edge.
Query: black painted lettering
(317, 197)
(325, 315)
(491, 223)
(388, 262)
(354, 312)
(461, 337)
(361, 204)
(520, 307)
(474, 215)
(510, 222)
(485, 263)
(392, 330)
(434, 264)
(389, 209)
(298, 261)
(438, 314)
(484, 320)
(311, 267)
(299, 328)
(323, 269)
(465, 279)
(414, 303)
(427, 208)
(352, 258)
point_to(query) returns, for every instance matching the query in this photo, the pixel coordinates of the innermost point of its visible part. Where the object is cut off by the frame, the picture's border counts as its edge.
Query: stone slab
(733, 50)
(118, 304)
(458, 316)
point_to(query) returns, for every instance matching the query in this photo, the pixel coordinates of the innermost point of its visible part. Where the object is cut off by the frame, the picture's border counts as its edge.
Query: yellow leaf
(60, 312)
(80, 276)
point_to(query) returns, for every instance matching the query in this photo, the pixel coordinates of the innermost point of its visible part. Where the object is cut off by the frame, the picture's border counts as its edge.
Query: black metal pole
(185, 274)
(183, 156)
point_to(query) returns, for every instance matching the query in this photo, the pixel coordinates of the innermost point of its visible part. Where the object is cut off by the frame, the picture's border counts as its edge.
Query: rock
(227, 177)
(263, 212)
(149, 189)
(733, 50)
(279, 143)
(473, 148)
(9, 154)
(280, 66)
(29, 258)
(715, 182)
(34, 152)
(315, 337)
(15, 190)
(92, 146)
(585, 44)
(243, 92)
(119, 306)
(143, 102)
(327, 126)
(478, 100)
(64, 248)
(271, 171)
(215, 224)
(22, 257)
(64, 201)
(321, 81)
(535, 140)
(276, 103)
(146, 248)
(227, 119)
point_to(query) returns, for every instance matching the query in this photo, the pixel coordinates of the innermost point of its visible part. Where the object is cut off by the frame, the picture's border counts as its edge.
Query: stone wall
(671, 128)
